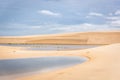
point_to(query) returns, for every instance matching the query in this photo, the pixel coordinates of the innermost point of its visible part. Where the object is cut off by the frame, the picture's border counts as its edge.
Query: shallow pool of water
(26, 65)
(51, 47)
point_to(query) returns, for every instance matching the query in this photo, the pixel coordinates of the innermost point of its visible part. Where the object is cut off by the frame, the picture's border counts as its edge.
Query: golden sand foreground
(103, 63)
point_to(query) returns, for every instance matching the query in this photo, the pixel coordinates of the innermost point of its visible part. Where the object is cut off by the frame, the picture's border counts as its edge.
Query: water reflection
(18, 66)
(51, 47)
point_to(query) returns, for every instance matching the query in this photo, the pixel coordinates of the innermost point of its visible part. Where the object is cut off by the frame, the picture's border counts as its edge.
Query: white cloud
(117, 12)
(61, 28)
(79, 27)
(35, 27)
(23, 26)
(115, 23)
(95, 14)
(113, 18)
(49, 13)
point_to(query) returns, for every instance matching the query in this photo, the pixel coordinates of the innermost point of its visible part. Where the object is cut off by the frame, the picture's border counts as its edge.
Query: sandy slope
(70, 38)
(103, 63)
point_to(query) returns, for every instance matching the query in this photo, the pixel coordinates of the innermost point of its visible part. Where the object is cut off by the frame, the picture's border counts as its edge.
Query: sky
(34, 17)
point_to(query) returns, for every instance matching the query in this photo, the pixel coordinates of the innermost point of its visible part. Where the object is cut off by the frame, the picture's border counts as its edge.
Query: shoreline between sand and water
(99, 64)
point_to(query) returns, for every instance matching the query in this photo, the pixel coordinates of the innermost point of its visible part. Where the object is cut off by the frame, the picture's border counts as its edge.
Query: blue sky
(34, 17)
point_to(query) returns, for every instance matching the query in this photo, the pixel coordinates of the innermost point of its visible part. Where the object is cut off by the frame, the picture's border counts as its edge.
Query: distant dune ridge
(69, 38)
